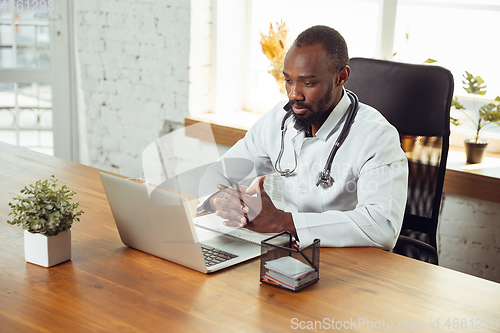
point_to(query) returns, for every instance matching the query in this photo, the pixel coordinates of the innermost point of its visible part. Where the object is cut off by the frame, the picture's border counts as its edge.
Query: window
(26, 115)
(246, 63)
(25, 108)
(460, 34)
(298, 16)
(35, 103)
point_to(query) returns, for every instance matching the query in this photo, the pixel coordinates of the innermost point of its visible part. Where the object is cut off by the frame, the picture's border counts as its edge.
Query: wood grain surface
(108, 287)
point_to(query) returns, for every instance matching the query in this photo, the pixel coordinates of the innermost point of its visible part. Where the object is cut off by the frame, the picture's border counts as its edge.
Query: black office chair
(416, 99)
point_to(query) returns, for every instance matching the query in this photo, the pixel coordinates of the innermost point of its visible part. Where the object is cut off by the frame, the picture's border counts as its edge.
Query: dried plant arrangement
(275, 46)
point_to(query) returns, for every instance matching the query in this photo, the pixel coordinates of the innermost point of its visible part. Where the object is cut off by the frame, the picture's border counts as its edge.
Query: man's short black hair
(332, 41)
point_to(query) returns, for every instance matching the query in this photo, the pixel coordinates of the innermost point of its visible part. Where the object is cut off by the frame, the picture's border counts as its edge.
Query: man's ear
(344, 75)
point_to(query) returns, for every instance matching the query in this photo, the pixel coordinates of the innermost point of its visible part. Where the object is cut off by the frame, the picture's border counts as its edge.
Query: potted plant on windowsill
(486, 115)
(46, 214)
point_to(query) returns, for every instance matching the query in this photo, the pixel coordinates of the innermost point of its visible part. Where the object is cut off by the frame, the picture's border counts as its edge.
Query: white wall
(134, 66)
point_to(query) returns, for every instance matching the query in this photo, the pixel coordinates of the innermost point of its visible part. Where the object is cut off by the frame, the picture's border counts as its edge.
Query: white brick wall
(134, 62)
(469, 236)
(200, 59)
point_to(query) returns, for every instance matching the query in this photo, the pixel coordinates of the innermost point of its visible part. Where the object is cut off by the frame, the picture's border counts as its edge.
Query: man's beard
(304, 121)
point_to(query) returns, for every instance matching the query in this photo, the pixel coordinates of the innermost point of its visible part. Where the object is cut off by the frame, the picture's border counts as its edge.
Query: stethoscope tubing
(324, 177)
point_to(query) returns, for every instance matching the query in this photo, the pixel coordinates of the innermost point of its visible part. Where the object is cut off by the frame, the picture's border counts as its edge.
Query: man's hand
(229, 207)
(242, 209)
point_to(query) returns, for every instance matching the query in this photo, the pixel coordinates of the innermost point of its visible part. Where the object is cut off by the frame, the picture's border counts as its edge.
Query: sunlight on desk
(489, 167)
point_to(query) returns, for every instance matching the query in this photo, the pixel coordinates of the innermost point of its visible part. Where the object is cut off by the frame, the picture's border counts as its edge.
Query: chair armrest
(421, 250)
(417, 243)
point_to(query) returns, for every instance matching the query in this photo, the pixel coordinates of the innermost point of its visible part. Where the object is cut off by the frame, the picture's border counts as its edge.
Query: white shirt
(365, 204)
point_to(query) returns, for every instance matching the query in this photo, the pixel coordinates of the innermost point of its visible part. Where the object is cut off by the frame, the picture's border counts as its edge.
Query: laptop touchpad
(218, 242)
(227, 244)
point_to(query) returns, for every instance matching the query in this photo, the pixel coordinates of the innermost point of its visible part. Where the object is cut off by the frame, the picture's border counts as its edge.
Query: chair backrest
(416, 99)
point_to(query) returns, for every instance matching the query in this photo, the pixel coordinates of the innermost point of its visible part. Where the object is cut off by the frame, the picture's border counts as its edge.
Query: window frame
(59, 77)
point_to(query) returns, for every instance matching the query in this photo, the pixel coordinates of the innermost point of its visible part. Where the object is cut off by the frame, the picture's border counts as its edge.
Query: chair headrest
(416, 99)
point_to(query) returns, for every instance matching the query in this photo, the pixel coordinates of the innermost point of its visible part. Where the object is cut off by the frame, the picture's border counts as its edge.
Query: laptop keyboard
(215, 256)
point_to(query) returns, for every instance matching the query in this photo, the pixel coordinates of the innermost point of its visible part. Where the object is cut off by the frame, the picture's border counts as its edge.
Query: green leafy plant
(487, 114)
(44, 208)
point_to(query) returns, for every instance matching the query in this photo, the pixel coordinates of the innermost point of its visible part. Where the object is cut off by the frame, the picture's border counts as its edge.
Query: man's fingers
(254, 189)
(229, 204)
(258, 187)
(230, 213)
(234, 223)
(262, 191)
(242, 189)
(237, 197)
(239, 192)
(248, 202)
(225, 189)
(239, 219)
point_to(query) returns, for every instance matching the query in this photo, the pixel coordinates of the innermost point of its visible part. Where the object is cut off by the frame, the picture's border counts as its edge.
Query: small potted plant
(486, 115)
(46, 214)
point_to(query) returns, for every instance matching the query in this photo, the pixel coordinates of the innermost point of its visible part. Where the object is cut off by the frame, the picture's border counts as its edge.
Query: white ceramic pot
(47, 251)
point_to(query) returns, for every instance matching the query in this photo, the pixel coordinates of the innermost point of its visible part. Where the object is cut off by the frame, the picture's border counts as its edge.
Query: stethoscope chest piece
(324, 179)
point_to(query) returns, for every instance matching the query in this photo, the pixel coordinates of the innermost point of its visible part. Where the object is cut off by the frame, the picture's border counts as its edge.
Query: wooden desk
(480, 181)
(107, 287)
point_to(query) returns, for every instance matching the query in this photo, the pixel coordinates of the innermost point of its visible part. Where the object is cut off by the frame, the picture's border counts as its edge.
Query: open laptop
(162, 226)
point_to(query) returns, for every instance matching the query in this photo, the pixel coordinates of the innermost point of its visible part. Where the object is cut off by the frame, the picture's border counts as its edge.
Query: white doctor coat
(365, 204)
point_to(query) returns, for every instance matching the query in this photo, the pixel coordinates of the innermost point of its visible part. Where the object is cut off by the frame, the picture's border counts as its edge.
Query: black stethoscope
(324, 177)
